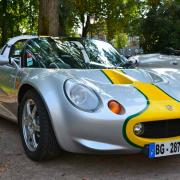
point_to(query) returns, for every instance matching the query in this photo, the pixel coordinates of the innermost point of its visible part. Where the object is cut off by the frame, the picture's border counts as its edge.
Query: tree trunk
(85, 28)
(43, 17)
(49, 21)
(54, 21)
(4, 23)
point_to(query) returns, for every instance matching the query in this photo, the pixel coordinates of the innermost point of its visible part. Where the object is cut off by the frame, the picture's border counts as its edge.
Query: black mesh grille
(161, 129)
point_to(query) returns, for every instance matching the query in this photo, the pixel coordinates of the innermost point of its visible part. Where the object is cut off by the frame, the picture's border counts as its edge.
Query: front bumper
(95, 133)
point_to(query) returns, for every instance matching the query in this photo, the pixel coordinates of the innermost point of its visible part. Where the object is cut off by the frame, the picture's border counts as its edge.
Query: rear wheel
(36, 132)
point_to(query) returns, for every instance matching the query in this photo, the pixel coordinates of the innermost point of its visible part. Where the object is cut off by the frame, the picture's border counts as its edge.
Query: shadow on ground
(15, 165)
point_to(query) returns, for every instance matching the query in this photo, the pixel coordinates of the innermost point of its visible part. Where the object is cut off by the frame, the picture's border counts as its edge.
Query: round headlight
(81, 96)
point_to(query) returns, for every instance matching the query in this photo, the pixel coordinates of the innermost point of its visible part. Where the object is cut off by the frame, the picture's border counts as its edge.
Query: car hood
(165, 79)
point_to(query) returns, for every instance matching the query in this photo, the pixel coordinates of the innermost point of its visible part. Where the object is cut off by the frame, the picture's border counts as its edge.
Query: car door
(8, 92)
(8, 83)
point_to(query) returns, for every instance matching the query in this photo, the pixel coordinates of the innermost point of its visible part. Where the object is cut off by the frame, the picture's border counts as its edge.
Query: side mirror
(4, 60)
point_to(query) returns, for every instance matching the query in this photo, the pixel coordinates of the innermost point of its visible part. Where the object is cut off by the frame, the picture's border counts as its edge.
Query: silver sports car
(61, 101)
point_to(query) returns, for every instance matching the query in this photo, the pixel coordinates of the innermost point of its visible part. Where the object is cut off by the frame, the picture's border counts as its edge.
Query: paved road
(14, 165)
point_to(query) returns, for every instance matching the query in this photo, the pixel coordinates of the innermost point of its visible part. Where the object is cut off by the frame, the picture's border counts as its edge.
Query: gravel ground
(14, 165)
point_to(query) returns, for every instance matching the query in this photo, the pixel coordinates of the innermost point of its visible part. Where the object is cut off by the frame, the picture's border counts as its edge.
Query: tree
(49, 22)
(120, 40)
(66, 16)
(4, 22)
(160, 27)
(83, 10)
(17, 17)
(118, 15)
(114, 16)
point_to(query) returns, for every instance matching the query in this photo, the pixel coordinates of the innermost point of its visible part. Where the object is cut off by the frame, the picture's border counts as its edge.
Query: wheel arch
(49, 146)
(49, 92)
(26, 87)
(22, 91)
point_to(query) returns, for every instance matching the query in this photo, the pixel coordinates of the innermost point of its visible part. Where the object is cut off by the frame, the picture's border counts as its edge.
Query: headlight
(81, 96)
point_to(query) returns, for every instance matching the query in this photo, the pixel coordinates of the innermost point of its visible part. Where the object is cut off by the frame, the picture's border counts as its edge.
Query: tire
(45, 145)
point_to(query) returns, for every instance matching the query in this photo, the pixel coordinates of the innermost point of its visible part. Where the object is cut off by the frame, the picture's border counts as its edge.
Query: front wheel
(36, 132)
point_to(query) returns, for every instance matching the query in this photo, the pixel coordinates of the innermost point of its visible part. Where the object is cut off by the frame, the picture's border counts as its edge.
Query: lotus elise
(63, 101)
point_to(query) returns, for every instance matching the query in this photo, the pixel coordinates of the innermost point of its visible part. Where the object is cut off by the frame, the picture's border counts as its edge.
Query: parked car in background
(155, 61)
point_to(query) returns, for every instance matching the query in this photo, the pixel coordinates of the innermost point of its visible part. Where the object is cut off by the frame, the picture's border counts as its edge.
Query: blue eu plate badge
(152, 150)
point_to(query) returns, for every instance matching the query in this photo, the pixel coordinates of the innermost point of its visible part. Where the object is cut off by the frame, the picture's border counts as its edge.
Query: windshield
(103, 53)
(52, 53)
(47, 52)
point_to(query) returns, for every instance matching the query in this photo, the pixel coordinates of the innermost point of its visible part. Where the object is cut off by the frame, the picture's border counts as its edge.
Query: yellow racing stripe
(157, 102)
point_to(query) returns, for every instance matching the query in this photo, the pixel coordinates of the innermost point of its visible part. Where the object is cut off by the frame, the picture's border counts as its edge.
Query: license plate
(164, 149)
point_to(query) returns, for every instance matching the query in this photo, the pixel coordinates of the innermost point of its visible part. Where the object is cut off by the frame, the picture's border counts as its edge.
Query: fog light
(139, 129)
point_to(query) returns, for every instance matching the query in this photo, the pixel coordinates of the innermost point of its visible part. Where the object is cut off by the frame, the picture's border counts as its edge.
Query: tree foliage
(118, 16)
(112, 17)
(17, 17)
(83, 10)
(120, 40)
(157, 22)
(161, 27)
